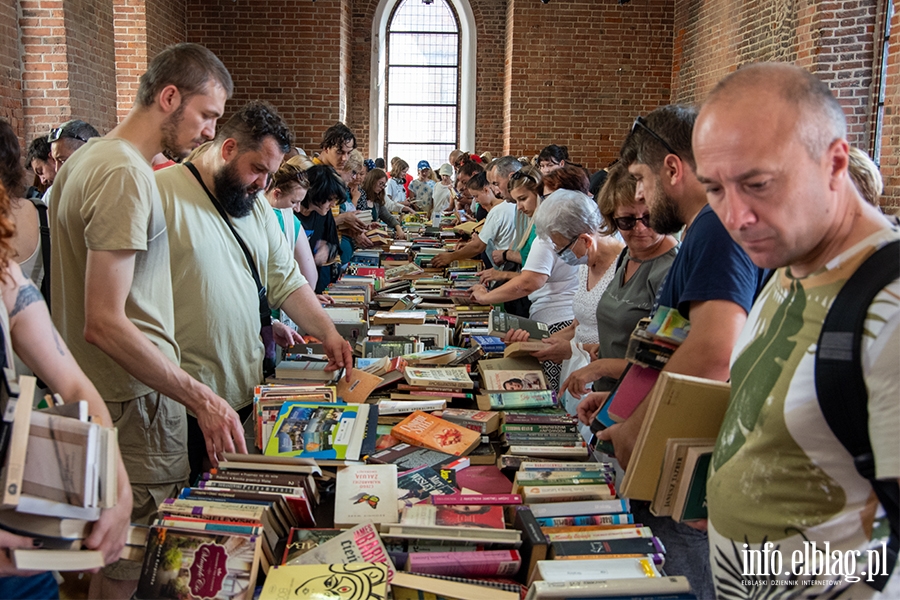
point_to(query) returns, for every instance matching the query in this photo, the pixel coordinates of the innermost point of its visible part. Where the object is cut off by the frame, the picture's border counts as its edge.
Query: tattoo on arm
(28, 294)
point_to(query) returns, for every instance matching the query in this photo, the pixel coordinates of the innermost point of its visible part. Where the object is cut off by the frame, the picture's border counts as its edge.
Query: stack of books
(59, 471)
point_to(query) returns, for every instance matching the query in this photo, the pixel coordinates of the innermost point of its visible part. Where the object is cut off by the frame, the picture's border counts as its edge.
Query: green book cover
(695, 499)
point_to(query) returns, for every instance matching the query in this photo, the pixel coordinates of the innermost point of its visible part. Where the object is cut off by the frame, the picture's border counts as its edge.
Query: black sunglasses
(60, 132)
(628, 223)
(639, 122)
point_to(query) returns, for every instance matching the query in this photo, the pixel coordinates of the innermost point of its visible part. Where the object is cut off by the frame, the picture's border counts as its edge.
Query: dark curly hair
(253, 123)
(336, 136)
(11, 171)
(39, 149)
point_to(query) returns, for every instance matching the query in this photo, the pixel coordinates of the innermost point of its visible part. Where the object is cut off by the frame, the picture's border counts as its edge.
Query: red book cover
(470, 515)
(484, 479)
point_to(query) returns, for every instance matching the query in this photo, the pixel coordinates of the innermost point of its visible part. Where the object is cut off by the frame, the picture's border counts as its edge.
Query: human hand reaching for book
(556, 349)
(590, 405)
(579, 381)
(339, 354)
(285, 336)
(221, 428)
(516, 335)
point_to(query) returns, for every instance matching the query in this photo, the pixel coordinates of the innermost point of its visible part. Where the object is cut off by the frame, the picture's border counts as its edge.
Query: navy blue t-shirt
(709, 266)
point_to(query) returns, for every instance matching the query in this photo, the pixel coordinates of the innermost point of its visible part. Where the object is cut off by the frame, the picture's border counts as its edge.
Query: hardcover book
(320, 431)
(423, 429)
(515, 399)
(452, 377)
(483, 563)
(365, 493)
(589, 548)
(421, 484)
(501, 323)
(482, 421)
(194, 565)
(514, 381)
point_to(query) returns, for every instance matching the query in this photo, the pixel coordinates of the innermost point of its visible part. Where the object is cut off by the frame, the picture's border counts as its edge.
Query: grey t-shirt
(622, 305)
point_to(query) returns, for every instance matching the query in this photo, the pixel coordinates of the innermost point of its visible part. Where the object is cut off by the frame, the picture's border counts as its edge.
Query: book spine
(571, 509)
(258, 477)
(251, 487)
(217, 527)
(485, 563)
(476, 499)
(548, 428)
(527, 419)
(619, 519)
(567, 493)
(549, 439)
(650, 545)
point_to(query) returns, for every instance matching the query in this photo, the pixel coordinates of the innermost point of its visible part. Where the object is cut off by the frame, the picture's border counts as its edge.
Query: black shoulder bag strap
(841, 388)
(265, 314)
(621, 257)
(45, 247)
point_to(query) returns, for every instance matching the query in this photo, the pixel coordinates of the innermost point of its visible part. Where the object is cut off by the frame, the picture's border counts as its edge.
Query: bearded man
(217, 217)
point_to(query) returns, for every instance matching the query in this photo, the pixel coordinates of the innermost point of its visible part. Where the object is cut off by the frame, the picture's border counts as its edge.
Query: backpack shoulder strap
(45, 247)
(840, 385)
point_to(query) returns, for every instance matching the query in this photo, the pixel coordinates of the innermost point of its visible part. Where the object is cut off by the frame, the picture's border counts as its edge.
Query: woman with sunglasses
(641, 269)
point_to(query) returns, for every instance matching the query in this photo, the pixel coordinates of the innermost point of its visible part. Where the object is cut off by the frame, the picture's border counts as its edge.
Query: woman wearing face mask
(549, 280)
(576, 227)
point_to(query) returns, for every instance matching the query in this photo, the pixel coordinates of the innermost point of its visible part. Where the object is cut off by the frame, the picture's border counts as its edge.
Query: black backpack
(841, 388)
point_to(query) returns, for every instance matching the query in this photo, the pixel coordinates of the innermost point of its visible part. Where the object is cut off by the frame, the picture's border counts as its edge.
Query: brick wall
(165, 24)
(833, 39)
(90, 54)
(890, 138)
(130, 22)
(45, 90)
(583, 87)
(283, 51)
(11, 68)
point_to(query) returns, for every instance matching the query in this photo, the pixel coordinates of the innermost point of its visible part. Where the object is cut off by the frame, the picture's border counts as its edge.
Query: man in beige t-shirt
(112, 289)
(217, 322)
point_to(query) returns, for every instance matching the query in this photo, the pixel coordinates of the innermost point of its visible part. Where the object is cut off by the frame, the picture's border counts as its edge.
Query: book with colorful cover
(521, 398)
(365, 493)
(482, 421)
(423, 429)
(452, 377)
(360, 544)
(421, 484)
(408, 456)
(194, 564)
(613, 519)
(319, 430)
(514, 380)
(359, 581)
(460, 515)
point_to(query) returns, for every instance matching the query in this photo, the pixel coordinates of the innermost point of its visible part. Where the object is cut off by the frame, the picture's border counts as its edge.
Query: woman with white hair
(549, 280)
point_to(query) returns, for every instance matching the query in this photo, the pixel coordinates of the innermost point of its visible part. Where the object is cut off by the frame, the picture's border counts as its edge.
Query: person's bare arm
(706, 352)
(303, 308)
(40, 347)
(517, 287)
(474, 248)
(305, 260)
(108, 280)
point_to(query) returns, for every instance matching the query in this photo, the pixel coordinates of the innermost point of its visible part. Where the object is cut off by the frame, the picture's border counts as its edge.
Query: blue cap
(423, 164)
(370, 164)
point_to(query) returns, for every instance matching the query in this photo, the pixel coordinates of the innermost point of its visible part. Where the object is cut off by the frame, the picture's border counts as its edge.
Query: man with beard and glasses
(712, 282)
(112, 284)
(217, 318)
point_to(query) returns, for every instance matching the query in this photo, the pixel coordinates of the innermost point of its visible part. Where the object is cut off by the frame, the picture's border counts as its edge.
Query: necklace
(635, 260)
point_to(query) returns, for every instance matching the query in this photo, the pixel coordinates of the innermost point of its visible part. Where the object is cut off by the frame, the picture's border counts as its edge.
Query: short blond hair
(865, 176)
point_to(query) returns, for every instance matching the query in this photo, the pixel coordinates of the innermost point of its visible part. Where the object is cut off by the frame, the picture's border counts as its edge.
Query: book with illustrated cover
(194, 564)
(423, 429)
(460, 515)
(360, 544)
(356, 581)
(365, 493)
(514, 381)
(451, 377)
(482, 421)
(319, 430)
(300, 541)
(419, 485)
(517, 398)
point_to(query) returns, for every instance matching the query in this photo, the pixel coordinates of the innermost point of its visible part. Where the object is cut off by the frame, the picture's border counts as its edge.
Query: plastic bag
(580, 358)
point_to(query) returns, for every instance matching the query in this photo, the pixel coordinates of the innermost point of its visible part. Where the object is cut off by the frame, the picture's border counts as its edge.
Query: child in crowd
(442, 194)
(395, 193)
(422, 188)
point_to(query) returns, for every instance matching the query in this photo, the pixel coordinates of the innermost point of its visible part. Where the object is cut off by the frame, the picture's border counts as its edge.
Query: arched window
(424, 80)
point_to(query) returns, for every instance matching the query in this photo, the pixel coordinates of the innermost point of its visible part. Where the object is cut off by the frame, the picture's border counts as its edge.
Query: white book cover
(366, 493)
(595, 570)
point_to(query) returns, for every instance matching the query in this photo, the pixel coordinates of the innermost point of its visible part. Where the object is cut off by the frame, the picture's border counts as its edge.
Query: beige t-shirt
(105, 198)
(217, 307)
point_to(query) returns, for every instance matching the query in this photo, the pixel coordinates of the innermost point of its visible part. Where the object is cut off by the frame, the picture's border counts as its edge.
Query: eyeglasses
(639, 122)
(60, 132)
(628, 223)
(569, 245)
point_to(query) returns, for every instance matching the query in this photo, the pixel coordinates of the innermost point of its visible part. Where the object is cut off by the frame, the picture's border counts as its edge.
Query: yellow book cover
(352, 581)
